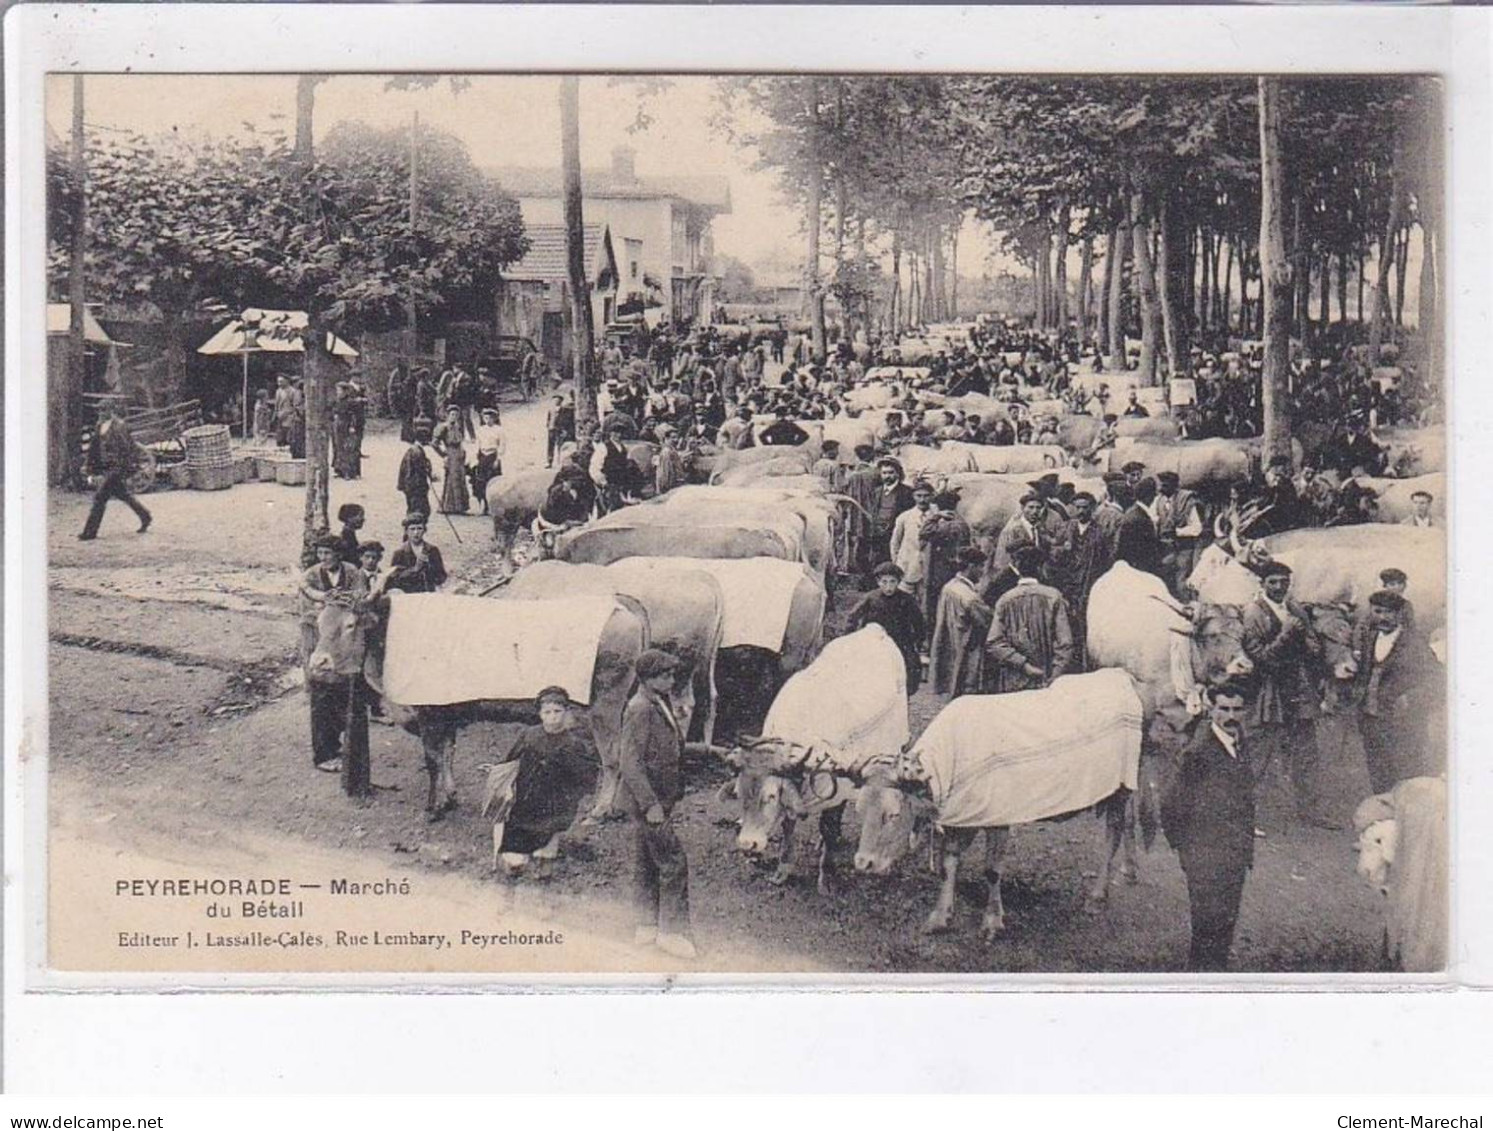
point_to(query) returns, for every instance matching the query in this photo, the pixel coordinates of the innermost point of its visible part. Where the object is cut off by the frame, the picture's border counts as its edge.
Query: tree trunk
(954, 271)
(1145, 277)
(936, 276)
(1342, 288)
(1044, 277)
(1085, 283)
(315, 521)
(1402, 256)
(67, 402)
(1204, 282)
(582, 331)
(1301, 274)
(1060, 274)
(1386, 258)
(1176, 298)
(1227, 308)
(1426, 321)
(894, 317)
(1119, 238)
(1218, 306)
(1324, 293)
(1359, 307)
(814, 221)
(411, 326)
(1275, 276)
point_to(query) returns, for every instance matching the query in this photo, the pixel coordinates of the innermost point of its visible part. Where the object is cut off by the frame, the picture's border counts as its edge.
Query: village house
(533, 298)
(659, 225)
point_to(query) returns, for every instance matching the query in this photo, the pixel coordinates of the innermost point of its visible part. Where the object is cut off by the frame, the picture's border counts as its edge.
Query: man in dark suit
(890, 498)
(1279, 640)
(651, 748)
(1208, 816)
(1393, 662)
(1138, 541)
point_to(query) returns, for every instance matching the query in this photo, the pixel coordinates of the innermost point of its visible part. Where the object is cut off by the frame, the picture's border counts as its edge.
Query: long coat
(1017, 535)
(962, 622)
(943, 536)
(1029, 625)
(1283, 660)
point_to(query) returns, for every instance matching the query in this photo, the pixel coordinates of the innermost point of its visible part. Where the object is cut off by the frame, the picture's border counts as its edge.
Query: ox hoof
(993, 926)
(936, 924)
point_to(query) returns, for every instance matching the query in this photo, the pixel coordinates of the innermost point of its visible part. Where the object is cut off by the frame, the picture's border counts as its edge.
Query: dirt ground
(176, 712)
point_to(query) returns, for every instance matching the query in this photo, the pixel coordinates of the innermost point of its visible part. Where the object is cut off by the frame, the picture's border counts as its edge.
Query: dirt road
(178, 726)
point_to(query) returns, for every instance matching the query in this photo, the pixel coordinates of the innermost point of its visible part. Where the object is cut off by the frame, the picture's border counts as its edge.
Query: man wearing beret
(1137, 541)
(1280, 641)
(900, 613)
(1393, 662)
(649, 764)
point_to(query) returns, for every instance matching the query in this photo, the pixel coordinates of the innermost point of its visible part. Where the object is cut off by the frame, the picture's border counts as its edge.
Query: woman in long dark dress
(449, 442)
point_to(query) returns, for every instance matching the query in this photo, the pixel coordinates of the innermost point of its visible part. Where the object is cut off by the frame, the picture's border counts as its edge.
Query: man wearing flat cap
(417, 566)
(1028, 527)
(1393, 669)
(1280, 641)
(1134, 471)
(1179, 524)
(651, 748)
(1111, 509)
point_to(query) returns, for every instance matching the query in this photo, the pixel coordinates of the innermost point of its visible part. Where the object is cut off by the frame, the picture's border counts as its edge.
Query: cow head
(766, 798)
(1333, 625)
(1378, 838)
(893, 812)
(1217, 633)
(339, 644)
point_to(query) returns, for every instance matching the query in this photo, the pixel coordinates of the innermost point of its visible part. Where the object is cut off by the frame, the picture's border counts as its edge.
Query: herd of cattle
(734, 575)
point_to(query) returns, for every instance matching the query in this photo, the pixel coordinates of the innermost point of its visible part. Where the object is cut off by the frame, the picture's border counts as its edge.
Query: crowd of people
(968, 617)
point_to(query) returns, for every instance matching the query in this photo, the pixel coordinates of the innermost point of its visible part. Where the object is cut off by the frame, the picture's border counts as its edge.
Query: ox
(1341, 564)
(782, 783)
(451, 661)
(686, 616)
(1402, 851)
(989, 762)
(634, 532)
(773, 621)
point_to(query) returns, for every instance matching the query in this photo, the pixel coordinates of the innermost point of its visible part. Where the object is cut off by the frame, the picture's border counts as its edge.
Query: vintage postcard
(582, 527)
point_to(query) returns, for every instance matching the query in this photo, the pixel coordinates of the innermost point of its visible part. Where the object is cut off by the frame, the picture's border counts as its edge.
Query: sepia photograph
(602, 527)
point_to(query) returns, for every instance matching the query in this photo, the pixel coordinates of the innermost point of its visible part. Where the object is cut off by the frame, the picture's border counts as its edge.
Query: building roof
(708, 192)
(545, 260)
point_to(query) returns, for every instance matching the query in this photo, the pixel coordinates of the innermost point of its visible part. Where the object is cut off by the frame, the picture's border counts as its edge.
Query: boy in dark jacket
(651, 748)
(900, 614)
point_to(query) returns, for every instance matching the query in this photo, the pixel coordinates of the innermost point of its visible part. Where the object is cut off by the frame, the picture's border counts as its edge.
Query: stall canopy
(266, 331)
(59, 320)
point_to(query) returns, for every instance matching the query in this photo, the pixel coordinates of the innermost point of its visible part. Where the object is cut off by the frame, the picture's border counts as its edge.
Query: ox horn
(1172, 605)
(836, 498)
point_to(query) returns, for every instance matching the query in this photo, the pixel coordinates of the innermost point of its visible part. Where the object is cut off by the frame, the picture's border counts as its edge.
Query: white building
(660, 228)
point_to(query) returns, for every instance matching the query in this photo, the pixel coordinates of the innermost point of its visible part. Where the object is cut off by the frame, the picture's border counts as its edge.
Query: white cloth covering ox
(445, 649)
(998, 760)
(851, 701)
(758, 594)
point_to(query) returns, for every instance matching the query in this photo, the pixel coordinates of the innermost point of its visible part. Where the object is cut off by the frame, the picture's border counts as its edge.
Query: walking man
(1208, 816)
(112, 455)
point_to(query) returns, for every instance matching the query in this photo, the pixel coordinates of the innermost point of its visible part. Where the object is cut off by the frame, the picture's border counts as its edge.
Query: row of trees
(1157, 182)
(370, 230)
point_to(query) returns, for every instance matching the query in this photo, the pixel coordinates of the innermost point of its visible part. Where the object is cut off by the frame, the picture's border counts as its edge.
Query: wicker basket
(264, 468)
(208, 445)
(243, 469)
(211, 478)
(179, 476)
(291, 472)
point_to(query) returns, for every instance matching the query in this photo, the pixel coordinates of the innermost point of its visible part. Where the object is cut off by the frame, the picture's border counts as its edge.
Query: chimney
(625, 163)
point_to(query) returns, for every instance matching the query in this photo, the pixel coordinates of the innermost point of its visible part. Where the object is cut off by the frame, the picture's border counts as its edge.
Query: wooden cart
(157, 432)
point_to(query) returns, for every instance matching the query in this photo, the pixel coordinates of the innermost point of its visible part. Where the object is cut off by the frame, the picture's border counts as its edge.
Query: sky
(504, 120)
